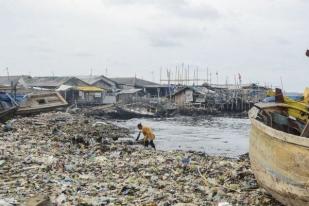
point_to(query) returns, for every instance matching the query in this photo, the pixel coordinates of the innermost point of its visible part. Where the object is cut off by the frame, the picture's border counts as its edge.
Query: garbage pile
(69, 159)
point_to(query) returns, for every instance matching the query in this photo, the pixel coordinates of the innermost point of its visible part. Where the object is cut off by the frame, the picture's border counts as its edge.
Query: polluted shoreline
(59, 158)
(125, 112)
(223, 136)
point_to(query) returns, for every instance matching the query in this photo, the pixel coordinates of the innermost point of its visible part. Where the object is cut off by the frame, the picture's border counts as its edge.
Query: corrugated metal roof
(93, 79)
(54, 81)
(132, 81)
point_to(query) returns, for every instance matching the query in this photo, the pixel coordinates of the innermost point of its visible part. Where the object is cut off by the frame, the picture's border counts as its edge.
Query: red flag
(307, 53)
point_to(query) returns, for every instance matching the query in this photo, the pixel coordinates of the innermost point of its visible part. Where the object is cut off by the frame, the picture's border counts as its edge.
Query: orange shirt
(148, 134)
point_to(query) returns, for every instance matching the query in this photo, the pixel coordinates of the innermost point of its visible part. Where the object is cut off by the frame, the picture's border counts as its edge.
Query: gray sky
(262, 40)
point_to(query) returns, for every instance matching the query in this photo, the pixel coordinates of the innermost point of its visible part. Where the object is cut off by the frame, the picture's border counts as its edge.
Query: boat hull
(280, 163)
(7, 114)
(44, 102)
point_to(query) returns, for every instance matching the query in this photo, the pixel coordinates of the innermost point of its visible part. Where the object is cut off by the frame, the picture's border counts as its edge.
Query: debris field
(71, 159)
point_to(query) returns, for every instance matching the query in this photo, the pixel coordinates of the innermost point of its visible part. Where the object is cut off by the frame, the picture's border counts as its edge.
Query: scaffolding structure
(185, 75)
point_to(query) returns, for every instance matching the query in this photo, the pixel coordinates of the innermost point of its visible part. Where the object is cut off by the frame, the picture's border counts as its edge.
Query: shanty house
(189, 95)
(89, 95)
(82, 95)
(129, 95)
(109, 86)
(151, 89)
(254, 92)
(101, 82)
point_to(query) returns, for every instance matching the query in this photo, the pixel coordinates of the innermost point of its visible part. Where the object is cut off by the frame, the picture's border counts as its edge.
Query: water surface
(212, 135)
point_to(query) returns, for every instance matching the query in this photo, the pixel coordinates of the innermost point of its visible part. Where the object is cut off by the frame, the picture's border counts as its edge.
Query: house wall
(74, 96)
(189, 96)
(90, 97)
(183, 97)
(180, 98)
(109, 99)
(127, 98)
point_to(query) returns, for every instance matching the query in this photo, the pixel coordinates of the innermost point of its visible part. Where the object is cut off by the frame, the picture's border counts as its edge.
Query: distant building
(254, 92)
(73, 89)
(82, 95)
(150, 89)
(11, 83)
(101, 81)
(248, 92)
(187, 95)
(127, 96)
(54, 83)
(109, 86)
(131, 82)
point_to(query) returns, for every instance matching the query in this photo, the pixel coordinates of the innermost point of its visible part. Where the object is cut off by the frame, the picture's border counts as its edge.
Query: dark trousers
(150, 143)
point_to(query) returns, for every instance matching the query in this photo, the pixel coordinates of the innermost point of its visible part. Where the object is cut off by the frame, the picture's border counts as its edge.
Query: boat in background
(279, 149)
(8, 107)
(41, 102)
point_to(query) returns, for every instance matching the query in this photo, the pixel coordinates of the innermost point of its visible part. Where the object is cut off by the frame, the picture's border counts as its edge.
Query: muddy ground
(71, 159)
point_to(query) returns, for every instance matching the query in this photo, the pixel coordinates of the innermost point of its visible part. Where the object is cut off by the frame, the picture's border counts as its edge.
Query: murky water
(212, 135)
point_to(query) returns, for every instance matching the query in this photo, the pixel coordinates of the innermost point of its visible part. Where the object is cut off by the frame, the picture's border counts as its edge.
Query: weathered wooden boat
(279, 152)
(8, 107)
(128, 111)
(41, 102)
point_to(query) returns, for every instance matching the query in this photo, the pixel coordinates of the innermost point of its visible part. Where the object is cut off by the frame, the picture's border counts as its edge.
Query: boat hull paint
(280, 162)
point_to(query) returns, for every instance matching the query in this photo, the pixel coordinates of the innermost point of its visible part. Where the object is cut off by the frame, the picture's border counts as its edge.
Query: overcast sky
(262, 40)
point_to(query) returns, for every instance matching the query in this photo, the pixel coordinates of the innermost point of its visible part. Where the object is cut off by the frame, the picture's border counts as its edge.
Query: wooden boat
(7, 114)
(8, 107)
(128, 112)
(280, 159)
(42, 102)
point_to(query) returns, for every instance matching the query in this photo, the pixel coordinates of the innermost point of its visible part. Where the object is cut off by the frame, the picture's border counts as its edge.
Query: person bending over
(149, 136)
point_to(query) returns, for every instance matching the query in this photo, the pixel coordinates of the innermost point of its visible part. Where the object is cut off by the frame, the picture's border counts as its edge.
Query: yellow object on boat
(297, 109)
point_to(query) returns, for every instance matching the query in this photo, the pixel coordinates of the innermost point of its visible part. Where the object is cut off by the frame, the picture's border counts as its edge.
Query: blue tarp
(9, 98)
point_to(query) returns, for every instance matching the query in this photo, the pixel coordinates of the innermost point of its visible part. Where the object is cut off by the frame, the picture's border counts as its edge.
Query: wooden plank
(305, 132)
